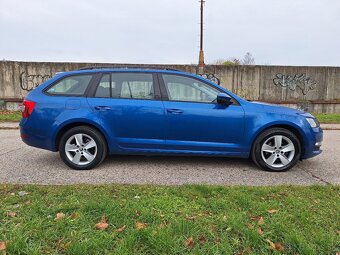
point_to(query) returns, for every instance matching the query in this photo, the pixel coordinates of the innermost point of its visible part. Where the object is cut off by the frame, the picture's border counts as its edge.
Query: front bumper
(313, 143)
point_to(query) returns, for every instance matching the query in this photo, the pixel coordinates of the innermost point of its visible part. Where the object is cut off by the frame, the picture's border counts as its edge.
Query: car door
(129, 104)
(195, 122)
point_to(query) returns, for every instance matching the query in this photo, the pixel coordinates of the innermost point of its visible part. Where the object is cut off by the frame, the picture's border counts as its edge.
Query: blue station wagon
(90, 113)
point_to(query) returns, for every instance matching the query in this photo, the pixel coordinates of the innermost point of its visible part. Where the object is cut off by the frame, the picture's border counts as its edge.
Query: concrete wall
(316, 89)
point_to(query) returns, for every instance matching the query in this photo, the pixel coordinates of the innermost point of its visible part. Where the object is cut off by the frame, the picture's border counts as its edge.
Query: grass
(195, 219)
(10, 116)
(328, 117)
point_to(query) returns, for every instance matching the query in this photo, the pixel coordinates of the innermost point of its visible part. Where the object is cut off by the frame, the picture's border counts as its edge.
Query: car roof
(125, 69)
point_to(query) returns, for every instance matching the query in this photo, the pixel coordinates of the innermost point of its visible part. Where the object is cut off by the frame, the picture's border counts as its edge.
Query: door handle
(174, 111)
(102, 108)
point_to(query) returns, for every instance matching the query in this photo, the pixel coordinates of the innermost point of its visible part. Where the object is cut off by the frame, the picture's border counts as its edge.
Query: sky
(275, 32)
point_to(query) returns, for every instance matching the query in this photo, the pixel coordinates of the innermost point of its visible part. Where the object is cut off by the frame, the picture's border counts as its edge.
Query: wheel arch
(295, 130)
(70, 125)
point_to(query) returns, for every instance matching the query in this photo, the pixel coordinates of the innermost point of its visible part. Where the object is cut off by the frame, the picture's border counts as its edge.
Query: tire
(82, 148)
(271, 155)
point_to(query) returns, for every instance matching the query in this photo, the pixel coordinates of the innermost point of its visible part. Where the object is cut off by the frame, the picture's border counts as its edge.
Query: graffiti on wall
(211, 77)
(295, 82)
(30, 81)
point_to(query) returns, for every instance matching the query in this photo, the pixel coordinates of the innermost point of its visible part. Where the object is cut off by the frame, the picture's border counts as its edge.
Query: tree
(227, 62)
(248, 59)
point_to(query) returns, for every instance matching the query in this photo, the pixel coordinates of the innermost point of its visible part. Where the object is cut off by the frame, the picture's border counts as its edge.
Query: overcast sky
(276, 32)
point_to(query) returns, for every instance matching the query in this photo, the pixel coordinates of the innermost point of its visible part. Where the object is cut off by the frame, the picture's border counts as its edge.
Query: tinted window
(103, 89)
(132, 85)
(181, 88)
(71, 86)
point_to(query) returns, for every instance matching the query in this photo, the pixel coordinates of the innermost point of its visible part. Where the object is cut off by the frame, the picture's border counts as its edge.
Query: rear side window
(133, 85)
(71, 86)
(103, 89)
(126, 85)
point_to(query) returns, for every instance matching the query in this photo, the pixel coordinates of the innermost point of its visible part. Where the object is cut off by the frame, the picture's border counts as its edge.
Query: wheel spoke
(71, 147)
(90, 145)
(79, 139)
(289, 147)
(271, 159)
(278, 141)
(76, 158)
(267, 148)
(88, 156)
(284, 160)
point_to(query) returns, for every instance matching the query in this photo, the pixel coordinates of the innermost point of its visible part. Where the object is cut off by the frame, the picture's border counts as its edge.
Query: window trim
(165, 96)
(67, 76)
(156, 89)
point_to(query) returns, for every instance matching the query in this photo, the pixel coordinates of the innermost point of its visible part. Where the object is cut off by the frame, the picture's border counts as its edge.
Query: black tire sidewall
(98, 138)
(256, 153)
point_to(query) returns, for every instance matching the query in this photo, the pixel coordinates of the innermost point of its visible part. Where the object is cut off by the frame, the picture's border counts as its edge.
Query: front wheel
(82, 148)
(276, 149)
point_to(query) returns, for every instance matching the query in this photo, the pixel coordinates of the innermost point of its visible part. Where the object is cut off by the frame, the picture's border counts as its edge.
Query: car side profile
(90, 113)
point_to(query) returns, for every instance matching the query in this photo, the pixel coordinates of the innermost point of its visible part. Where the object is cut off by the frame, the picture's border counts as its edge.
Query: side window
(71, 86)
(181, 88)
(103, 89)
(132, 85)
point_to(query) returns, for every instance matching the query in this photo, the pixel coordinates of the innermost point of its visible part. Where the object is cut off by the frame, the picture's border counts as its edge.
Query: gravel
(21, 164)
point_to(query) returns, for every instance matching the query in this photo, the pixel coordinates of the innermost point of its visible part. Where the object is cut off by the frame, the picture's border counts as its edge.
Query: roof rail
(127, 67)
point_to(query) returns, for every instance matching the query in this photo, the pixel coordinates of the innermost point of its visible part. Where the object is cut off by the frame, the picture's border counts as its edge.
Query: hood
(275, 108)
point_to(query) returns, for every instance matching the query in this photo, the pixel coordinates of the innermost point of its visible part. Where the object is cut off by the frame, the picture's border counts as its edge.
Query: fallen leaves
(260, 231)
(59, 216)
(2, 245)
(11, 214)
(192, 217)
(102, 225)
(121, 229)
(202, 240)
(22, 193)
(140, 225)
(259, 219)
(74, 216)
(189, 243)
(272, 211)
(61, 245)
(275, 246)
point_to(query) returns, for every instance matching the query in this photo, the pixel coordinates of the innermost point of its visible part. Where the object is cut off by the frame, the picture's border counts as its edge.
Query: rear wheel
(82, 148)
(276, 149)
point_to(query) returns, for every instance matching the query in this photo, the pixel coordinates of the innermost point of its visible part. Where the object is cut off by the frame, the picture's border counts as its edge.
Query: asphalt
(21, 164)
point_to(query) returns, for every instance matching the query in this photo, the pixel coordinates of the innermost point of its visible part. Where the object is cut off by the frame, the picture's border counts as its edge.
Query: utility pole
(201, 54)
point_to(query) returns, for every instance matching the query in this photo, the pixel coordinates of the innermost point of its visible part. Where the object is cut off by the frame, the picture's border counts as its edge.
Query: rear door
(195, 122)
(129, 103)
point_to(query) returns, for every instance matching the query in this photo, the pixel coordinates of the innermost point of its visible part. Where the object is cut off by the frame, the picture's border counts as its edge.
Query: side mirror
(223, 99)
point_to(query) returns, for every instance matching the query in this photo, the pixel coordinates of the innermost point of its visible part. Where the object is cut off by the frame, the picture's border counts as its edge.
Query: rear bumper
(33, 137)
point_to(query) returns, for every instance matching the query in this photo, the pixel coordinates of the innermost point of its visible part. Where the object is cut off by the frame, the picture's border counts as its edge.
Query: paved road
(20, 163)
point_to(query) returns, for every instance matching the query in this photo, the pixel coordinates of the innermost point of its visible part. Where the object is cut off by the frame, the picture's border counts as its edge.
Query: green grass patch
(328, 117)
(10, 116)
(195, 219)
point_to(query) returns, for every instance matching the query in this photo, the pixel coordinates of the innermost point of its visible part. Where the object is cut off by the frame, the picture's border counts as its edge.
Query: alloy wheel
(81, 149)
(278, 151)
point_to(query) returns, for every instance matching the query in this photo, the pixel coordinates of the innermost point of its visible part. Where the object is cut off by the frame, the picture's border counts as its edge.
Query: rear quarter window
(70, 86)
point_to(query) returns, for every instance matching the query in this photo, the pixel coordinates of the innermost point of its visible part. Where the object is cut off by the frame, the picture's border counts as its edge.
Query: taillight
(27, 108)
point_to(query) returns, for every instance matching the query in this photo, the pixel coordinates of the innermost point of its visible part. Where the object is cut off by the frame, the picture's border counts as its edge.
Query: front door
(130, 105)
(195, 122)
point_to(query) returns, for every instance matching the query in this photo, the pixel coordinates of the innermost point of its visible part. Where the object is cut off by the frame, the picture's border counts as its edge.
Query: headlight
(312, 122)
